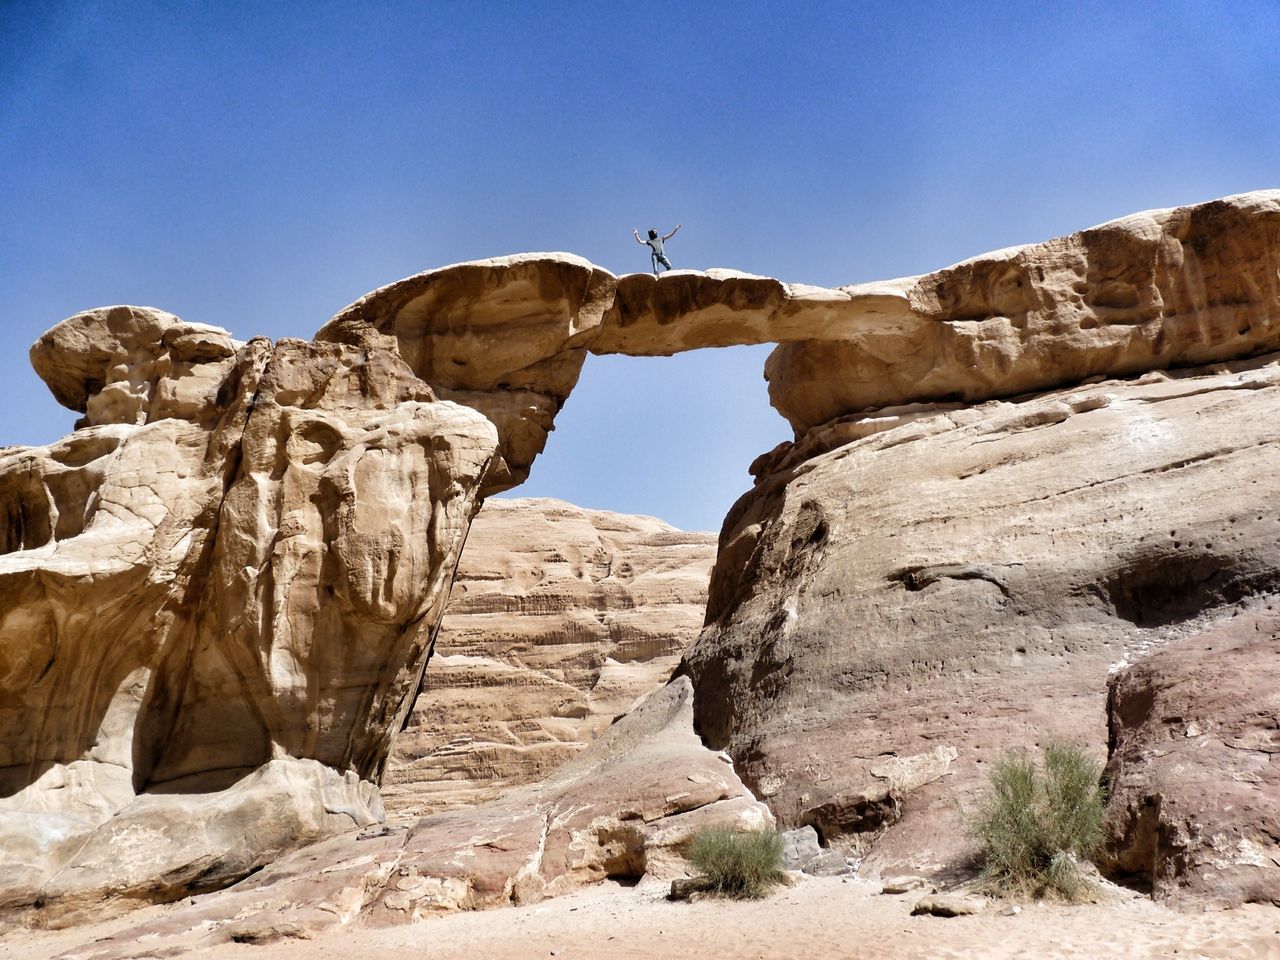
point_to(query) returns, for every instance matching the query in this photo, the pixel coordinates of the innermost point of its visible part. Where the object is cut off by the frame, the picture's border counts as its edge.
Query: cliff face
(887, 617)
(560, 619)
(913, 587)
(214, 600)
(1194, 786)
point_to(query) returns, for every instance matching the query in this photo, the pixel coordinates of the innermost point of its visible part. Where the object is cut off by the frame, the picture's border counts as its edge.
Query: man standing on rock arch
(654, 243)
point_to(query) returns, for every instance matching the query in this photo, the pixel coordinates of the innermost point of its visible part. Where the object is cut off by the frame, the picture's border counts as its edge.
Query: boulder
(133, 364)
(829, 863)
(1194, 773)
(947, 905)
(559, 620)
(159, 847)
(902, 884)
(799, 846)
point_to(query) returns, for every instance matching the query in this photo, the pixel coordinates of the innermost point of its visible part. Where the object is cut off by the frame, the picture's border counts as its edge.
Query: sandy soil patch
(820, 918)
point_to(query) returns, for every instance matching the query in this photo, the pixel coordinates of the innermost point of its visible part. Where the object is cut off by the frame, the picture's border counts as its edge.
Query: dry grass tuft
(742, 864)
(1036, 824)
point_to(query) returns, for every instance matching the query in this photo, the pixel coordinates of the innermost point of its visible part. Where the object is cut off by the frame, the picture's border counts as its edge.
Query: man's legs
(662, 259)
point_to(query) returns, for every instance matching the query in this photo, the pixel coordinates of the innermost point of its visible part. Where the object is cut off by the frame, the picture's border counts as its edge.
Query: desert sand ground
(819, 918)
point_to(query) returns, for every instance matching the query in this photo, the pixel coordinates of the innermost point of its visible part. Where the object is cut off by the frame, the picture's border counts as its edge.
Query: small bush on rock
(743, 864)
(1035, 825)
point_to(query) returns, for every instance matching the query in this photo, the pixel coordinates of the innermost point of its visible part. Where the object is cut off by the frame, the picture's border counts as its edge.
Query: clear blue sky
(260, 165)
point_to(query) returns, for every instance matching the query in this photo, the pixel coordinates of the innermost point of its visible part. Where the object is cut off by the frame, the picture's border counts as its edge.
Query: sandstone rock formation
(226, 580)
(1194, 779)
(885, 618)
(623, 808)
(221, 579)
(560, 619)
(1159, 289)
(491, 334)
(1164, 288)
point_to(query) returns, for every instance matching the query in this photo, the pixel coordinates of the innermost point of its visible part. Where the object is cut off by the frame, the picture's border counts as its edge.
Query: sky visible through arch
(258, 166)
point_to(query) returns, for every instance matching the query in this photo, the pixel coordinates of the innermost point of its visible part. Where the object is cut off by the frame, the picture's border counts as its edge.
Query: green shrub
(743, 864)
(1034, 826)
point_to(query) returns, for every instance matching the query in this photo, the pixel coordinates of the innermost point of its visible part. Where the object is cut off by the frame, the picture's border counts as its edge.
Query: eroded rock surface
(1194, 774)
(493, 334)
(887, 617)
(624, 808)
(217, 597)
(1153, 290)
(560, 619)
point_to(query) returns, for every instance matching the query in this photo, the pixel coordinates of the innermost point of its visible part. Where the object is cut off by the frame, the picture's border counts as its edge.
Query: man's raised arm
(673, 232)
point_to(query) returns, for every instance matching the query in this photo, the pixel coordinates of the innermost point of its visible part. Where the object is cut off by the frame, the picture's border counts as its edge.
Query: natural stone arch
(248, 509)
(1164, 288)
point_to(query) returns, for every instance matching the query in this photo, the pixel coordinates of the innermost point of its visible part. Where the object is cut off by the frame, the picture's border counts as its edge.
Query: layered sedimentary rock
(887, 617)
(623, 808)
(560, 619)
(1194, 779)
(1164, 288)
(216, 596)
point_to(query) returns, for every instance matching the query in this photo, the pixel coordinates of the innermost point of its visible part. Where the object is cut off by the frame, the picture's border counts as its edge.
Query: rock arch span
(1164, 288)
